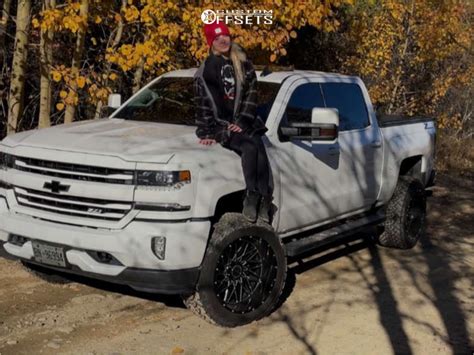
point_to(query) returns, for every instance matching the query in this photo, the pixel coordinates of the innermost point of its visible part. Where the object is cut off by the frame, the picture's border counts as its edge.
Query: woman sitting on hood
(226, 102)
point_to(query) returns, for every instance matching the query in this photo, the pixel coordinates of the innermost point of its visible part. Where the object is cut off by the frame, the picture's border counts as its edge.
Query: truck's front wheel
(405, 215)
(242, 275)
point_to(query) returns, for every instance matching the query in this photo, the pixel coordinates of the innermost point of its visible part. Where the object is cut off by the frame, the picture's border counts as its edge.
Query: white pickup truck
(134, 199)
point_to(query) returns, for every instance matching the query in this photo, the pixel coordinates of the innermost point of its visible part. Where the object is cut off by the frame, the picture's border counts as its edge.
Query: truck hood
(129, 140)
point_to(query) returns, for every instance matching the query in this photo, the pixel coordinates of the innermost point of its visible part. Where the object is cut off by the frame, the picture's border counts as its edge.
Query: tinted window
(348, 99)
(303, 99)
(171, 100)
(266, 94)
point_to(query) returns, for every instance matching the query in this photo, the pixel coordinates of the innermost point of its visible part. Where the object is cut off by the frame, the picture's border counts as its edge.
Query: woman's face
(221, 44)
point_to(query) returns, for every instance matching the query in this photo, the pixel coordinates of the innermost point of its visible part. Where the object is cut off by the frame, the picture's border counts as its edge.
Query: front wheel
(242, 275)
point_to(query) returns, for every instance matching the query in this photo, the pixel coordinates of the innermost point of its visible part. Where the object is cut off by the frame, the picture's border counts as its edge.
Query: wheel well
(411, 167)
(232, 202)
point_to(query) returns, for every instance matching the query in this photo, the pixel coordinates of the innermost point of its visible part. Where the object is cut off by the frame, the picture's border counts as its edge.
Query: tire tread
(394, 235)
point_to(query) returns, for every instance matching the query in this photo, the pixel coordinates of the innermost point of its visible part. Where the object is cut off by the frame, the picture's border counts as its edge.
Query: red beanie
(212, 30)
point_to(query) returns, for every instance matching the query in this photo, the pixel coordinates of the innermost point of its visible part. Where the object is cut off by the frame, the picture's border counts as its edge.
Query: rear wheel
(242, 275)
(405, 215)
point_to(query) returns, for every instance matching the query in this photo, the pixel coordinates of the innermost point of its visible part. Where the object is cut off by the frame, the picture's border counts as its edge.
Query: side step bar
(316, 240)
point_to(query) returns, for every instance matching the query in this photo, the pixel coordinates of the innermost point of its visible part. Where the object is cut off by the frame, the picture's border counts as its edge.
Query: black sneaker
(250, 210)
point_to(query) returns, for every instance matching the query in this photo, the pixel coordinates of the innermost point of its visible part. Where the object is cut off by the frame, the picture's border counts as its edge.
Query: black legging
(255, 163)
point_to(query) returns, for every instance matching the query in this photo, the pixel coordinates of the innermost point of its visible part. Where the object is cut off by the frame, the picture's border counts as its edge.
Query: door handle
(376, 144)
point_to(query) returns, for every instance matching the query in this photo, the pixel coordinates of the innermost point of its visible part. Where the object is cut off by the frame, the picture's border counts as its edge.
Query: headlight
(163, 178)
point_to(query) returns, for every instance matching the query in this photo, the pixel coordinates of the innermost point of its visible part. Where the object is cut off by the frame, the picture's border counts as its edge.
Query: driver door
(308, 172)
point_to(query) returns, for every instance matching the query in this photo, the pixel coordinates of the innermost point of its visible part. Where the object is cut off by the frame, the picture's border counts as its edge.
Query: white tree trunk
(46, 61)
(138, 75)
(15, 97)
(115, 43)
(77, 58)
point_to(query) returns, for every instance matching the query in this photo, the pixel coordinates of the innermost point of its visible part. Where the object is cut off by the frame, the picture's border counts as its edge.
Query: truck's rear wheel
(242, 275)
(405, 215)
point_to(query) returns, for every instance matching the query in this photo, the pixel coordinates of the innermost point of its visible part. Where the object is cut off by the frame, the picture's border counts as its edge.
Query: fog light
(104, 257)
(17, 240)
(158, 245)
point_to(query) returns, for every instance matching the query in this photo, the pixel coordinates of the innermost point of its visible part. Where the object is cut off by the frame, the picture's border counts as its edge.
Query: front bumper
(137, 265)
(145, 280)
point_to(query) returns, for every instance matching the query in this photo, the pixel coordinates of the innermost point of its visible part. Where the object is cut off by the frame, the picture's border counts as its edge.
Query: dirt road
(356, 299)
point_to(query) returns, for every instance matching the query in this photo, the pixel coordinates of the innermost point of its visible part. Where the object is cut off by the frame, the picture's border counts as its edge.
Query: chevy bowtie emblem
(55, 186)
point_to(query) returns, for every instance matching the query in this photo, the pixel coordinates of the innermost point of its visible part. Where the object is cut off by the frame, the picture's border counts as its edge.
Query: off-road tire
(233, 231)
(405, 215)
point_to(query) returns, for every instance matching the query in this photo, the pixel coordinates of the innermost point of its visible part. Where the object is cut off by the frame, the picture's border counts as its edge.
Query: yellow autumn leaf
(98, 19)
(63, 94)
(35, 23)
(60, 106)
(81, 82)
(177, 350)
(113, 76)
(131, 13)
(293, 34)
(56, 76)
(126, 49)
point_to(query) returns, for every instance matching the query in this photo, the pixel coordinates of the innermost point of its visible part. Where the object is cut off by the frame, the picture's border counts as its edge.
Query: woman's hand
(207, 141)
(234, 128)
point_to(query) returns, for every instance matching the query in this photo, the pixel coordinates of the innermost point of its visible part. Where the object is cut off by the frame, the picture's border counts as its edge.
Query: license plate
(48, 254)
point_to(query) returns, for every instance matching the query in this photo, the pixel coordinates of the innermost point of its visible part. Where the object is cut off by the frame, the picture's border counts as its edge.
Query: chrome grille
(73, 171)
(73, 205)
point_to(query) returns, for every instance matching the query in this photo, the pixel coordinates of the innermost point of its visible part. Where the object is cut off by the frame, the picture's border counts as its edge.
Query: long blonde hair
(236, 61)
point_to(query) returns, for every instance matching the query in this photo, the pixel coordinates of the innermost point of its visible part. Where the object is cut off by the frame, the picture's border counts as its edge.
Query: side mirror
(323, 127)
(114, 102)
(327, 122)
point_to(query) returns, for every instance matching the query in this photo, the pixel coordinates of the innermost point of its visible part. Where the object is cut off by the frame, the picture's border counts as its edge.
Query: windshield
(171, 100)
